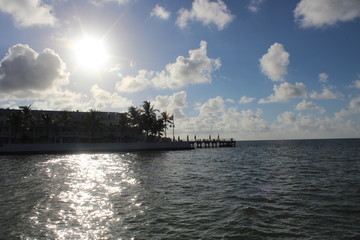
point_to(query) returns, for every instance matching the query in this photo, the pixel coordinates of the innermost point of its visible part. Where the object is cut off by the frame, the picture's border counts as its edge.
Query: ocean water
(257, 190)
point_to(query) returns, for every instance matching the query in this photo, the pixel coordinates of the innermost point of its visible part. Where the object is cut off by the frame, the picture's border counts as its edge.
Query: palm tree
(14, 121)
(158, 127)
(27, 120)
(65, 121)
(148, 117)
(166, 118)
(93, 121)
(134, 116)
(123, 121)
(48, 122)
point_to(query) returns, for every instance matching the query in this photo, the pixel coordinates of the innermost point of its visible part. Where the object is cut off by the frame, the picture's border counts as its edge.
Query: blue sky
(248, 69)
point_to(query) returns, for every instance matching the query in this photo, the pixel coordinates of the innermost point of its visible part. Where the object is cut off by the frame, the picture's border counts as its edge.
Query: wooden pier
(206, 143)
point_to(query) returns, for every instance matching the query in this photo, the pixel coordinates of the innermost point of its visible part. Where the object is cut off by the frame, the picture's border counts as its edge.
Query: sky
(243, 69)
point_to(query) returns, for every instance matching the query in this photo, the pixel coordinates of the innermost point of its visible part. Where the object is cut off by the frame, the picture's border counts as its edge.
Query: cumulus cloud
(325, 94)
(24, 72)
(173, 104)
(251, 120)
(206, 12)
(307, 123)
(160, 12)
(104, 99)
(308, 105)
(195, 69)
(29, 13)
(245, 99)
(224, 120)
(57, 99)
(254, 5)
(287, 118)
(357, 84)
(134, 84)
(323, 77)
(353, 108)
(320, 13)
(286, 91)
(212, 106)
(100, 2)
(275, 62)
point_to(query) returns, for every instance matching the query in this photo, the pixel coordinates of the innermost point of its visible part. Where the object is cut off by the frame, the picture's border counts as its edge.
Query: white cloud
(353, 125)
(357, 84)
(254, 5)
(100, 2)
(212, 106)
(104, 99)
(224, 121)
(207, 12)
(320, 13)
(173, 104)
(286, 91)
(61, 100)
(325, 94)
(250, 120)
(215, 117)
(160, 12)
(353, 108)
(287, 118)
(195, 69)
(28, 13)
(134, 84)
(306, 124)
(24, 72)
(308, 105)
(275, 62)
(10, 104)
(323, 77)
(245, 99)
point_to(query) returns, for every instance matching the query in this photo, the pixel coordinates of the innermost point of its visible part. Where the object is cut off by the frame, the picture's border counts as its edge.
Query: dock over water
(207, 143)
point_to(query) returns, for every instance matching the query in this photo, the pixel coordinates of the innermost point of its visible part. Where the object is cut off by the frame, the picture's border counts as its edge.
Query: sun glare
(90, 53)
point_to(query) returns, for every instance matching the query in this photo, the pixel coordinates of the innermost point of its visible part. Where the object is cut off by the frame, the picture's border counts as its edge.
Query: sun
(90, 53)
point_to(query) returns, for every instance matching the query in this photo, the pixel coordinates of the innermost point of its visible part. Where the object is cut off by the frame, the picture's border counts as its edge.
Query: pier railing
(213, 143)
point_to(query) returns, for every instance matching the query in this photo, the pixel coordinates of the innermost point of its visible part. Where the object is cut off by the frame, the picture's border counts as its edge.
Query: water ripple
(259, 190)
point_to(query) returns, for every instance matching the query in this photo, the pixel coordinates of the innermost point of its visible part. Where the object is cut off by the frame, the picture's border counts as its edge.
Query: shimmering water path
(258, 190)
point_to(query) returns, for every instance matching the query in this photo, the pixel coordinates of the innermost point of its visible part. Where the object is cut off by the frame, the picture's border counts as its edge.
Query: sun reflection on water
(79, 204)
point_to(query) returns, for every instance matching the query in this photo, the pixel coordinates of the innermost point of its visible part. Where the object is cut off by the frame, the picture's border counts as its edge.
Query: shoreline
(46, 148)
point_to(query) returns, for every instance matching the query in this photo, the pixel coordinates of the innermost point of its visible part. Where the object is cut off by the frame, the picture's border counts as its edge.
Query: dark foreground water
(258, 190)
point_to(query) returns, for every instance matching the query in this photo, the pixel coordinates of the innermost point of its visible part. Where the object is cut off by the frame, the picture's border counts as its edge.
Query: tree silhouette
(66, 122)
(93, 121)
(48, 122)
(158, 128)
(27, 120)
(166, 118)
(148, 117)
(134, 116)
(14, 121)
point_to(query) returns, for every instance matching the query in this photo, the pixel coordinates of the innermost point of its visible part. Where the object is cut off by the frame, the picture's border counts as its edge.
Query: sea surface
(308, 189)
